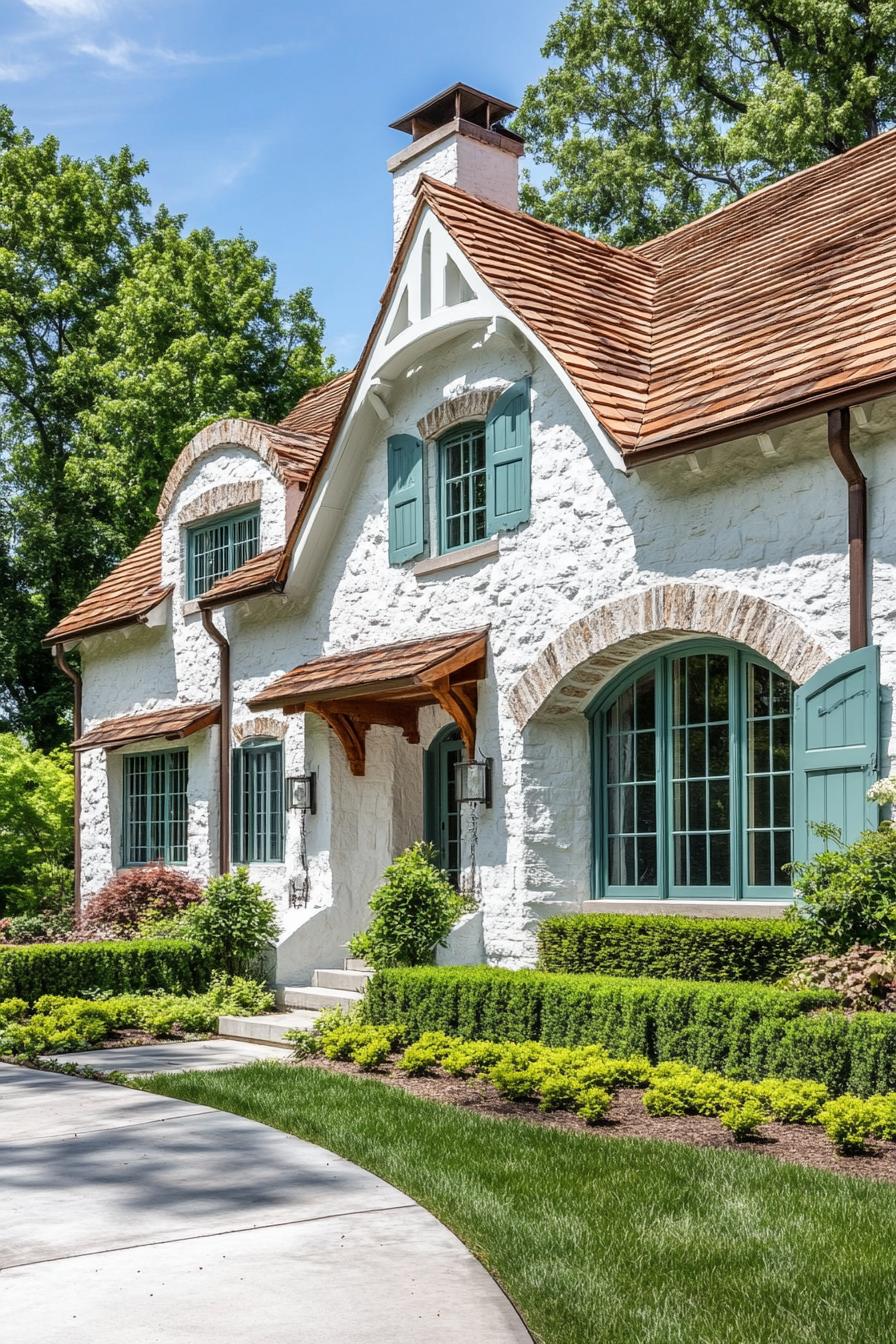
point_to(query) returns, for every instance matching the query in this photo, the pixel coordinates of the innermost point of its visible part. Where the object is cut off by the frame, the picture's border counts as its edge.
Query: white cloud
(123, 54)
(67, 9)
(16, 74)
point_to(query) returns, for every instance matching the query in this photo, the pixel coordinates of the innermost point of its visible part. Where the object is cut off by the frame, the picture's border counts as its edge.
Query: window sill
(467, 555)
(718, 908)
(191, 606)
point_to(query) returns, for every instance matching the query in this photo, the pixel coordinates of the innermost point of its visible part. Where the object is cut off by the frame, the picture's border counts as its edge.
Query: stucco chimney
(458, 138)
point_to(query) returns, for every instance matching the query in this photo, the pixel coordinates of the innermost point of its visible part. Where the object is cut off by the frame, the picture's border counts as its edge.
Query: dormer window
(215, 549)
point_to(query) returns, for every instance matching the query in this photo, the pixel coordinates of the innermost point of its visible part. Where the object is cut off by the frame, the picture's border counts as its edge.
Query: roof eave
(56, 636)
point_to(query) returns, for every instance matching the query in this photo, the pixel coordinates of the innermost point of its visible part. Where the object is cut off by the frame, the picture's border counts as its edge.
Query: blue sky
(269, 116)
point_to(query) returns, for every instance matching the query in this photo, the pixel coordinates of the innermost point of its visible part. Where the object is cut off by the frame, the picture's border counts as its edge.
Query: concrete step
(356, 980)
(355, 964)
(307, 996)
(266, 1028)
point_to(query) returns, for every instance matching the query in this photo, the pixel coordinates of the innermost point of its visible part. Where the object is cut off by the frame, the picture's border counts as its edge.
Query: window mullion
(663, 769)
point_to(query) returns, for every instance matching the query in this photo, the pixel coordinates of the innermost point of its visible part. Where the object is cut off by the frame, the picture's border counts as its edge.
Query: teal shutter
(835, 740)
(405, 456)
(237, 808)
(508, 460)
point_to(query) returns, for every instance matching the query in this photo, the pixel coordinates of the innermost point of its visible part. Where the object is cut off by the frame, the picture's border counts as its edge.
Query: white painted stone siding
(774, 529)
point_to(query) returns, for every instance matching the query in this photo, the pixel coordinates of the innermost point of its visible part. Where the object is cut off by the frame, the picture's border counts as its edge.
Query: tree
(121, 335)
(36, 821)
(660, 110)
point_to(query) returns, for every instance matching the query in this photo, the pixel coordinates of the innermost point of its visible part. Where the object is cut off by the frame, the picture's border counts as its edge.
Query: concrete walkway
(174, 1056)
(138, 1218)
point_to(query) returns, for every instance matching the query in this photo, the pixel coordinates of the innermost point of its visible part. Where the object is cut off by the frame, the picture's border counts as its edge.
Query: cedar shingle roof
(176, 722)
(256, 576)
(786, 297)
(386, 667)
(131, 591)
(316, 412)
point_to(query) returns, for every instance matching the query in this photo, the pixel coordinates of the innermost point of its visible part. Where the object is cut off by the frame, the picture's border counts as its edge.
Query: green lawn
(617, 1241)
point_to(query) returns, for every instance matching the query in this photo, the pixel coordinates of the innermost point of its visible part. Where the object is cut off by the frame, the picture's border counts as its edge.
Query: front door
(442, 811)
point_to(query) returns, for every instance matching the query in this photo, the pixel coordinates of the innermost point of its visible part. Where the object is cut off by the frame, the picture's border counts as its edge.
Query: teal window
(463, 487)
(154, 812)
(693, 777)
(217, 549)
(441, 808)
(257, 802)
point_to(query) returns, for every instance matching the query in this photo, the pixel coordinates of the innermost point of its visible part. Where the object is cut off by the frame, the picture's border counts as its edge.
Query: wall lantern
(473, 782)
(301, 792)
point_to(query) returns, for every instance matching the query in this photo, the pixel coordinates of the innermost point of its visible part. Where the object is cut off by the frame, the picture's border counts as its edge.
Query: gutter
(841, 451)
(77, 724)
(223, 739)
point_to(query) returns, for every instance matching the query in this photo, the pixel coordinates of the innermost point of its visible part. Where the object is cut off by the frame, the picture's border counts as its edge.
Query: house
(618, 523)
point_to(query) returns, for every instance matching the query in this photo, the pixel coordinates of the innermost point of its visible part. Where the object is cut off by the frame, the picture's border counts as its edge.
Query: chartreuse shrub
(58, 1023)
(135, 966)
(670, 946)
(414, 910)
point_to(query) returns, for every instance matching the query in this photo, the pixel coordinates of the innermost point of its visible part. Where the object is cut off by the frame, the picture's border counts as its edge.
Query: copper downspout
(74, 677)
(224, 741)
(841, 452)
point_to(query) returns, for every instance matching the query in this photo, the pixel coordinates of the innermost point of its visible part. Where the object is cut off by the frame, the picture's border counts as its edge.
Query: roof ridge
(766, 189)
(425, 181)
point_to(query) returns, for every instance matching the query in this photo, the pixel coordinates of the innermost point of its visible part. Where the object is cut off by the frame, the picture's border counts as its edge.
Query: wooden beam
(389, 713)
(350, 733)
(460, 703)
(471, 653)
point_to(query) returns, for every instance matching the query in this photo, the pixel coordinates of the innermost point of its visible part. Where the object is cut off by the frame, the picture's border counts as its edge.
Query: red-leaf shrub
(134, 893)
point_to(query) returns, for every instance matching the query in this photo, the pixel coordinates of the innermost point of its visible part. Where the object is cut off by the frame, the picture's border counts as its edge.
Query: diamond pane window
(257, 803)
(154, 811)
(693, 786)
(215, 550)
(463, 487)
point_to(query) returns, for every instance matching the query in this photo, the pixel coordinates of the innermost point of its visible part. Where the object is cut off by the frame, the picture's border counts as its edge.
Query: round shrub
(848, 892)
(235, 924)
(133, 894)
(413, 912)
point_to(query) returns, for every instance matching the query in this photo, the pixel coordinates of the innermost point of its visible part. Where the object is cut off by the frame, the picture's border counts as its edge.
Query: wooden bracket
(350, 733)
(460, 703)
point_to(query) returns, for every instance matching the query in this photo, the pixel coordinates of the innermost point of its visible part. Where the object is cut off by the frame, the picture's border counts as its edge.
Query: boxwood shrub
(73, 968)
(675, 946)
(743, 1030)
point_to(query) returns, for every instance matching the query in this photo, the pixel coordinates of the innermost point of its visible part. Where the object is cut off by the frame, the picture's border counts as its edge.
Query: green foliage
(743, 1119)
(36, 824)
(414, 910)
(73, 968)
(848, 1122)
(11, 1010)
(235, 924)
(60, 1023)
(792, 1102)
(650, 115)
(593, 1104)
(848, 892)
(120, 335)
(669, 946)
(713, 1026)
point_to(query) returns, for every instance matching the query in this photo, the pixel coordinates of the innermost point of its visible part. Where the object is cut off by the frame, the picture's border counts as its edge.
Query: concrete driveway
(128, 1217)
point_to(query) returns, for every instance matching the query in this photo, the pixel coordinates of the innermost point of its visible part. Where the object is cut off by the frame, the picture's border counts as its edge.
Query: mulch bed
(805, 1145)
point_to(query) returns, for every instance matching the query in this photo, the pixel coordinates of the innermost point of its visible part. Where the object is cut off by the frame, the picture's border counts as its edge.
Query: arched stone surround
(251, 434)
(574, 665)
(472, 405)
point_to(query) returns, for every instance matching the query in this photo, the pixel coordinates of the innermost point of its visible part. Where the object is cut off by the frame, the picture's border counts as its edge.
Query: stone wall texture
(608, 568)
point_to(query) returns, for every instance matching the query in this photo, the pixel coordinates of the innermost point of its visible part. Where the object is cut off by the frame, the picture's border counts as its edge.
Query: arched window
(693, 780)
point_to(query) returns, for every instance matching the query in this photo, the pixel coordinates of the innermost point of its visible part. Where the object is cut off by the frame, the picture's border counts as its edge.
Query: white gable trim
(399, 349)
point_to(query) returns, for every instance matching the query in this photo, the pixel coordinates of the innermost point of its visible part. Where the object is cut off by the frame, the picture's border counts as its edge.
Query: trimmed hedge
(669, 946)
(743, 1030)
(133, 967)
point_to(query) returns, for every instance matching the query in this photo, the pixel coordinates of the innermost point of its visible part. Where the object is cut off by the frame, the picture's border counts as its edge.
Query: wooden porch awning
(387, 684)
(177, 722)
